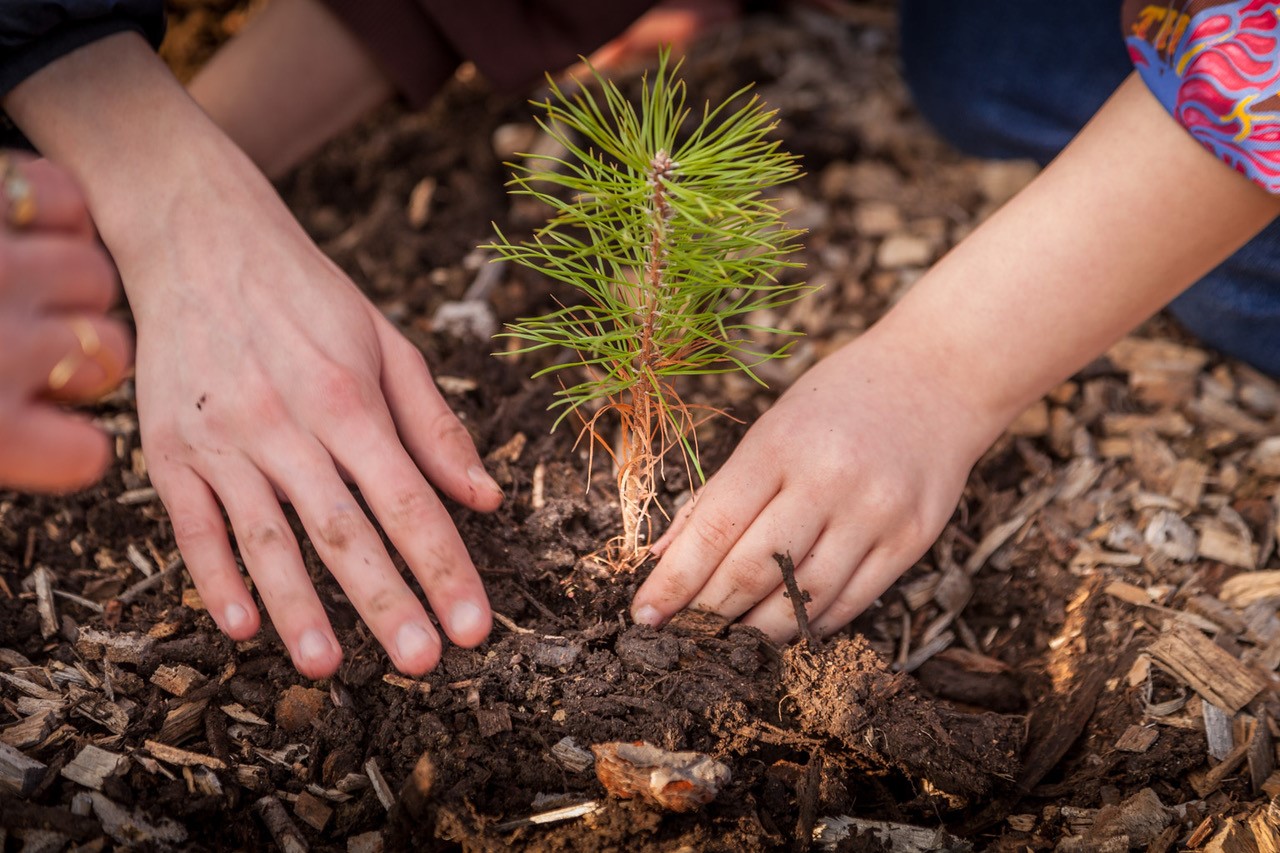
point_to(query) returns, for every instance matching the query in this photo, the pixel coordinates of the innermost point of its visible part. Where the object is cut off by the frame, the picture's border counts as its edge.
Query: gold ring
(18, 194)
(90, 347)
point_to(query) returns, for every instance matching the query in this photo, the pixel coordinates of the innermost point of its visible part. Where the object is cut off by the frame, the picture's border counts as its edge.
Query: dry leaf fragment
(679, 781)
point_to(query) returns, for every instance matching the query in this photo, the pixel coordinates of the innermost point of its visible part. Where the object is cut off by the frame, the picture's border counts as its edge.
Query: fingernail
(481, 478)
(647, 614)
(413, 641)
(465, 619)
(236, 618)
(314, 647)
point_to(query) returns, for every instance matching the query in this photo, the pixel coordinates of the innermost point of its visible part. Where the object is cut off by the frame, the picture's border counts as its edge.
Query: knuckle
(751, 578)
(340, 530)
(675, 588)
(195, 528)
(264, 405)
(265, 536)
(383, 601)
(409, 510)
(341, 390)
(714, 529)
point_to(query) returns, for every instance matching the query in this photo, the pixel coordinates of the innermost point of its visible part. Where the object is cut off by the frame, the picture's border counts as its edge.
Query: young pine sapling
(661, 226)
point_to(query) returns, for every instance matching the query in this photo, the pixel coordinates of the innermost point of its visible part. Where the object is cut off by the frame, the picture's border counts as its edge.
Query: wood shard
(1137, 738)
(178, 680)
(117, 648)
(380, 786)
(1247, 587)
(182, 757)
(31, 731)
(678, 781)
(92, 766)
(283, 830)
(19, 774)
(831, 831)
(312, 811)
(1222, 543)
(572, 756)
(1210, 671)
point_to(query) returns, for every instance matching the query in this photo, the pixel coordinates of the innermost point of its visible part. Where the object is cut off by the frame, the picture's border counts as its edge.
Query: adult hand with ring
(57, 345)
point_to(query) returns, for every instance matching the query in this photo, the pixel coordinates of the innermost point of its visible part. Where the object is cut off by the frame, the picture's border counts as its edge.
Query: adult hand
(264, 373)
(853, 472)
(56, 284)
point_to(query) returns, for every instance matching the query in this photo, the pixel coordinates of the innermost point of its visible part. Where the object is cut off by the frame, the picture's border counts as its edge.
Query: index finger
(723, 512)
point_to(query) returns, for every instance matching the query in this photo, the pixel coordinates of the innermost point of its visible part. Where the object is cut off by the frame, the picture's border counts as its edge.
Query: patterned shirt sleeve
(1215, 66)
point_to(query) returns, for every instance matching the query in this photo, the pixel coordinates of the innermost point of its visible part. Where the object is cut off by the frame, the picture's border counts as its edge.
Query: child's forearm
(150, 162)
(1133, 212)
(295, 78)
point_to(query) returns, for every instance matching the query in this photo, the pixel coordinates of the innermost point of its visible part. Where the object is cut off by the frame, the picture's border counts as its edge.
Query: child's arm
(859, 465)
(262, 371)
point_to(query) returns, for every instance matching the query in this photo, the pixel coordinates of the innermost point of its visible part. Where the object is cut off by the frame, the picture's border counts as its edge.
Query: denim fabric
(1004, 79)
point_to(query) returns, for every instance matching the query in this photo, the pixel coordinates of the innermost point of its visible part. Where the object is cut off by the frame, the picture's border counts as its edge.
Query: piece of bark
(572, 756)
(19, 774)
(1261, 755)
(44, 601)
(286, 835)
(1248, 587)
(1265, 826)
(1217, 730)
(1210, 671)
(1226, 545)
(118, 648)
(379, 782)
(312, 811)
(183, 722)
(92, 766)
(1140, 819)
(115, 717)
(29, 687)
(241, 714)
(1233, 837)
(31, 731)
(181, 757)
(177, 680)
(831, 831)
(1137, 738)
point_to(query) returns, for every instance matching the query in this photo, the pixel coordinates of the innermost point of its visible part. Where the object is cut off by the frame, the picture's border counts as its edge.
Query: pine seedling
(661, 226)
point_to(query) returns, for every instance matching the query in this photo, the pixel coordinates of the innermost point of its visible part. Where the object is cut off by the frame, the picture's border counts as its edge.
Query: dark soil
(1017, 716)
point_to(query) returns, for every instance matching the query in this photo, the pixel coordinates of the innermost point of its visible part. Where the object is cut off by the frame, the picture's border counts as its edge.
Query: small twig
(511, 626)
(128, 596)
(798, 598)
(80, 600)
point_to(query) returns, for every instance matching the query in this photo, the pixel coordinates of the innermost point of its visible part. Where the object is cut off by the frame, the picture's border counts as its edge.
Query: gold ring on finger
(18, 194)
(90, 348)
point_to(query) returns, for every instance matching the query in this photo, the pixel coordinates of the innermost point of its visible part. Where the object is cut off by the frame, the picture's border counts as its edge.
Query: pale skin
(859, 465)
(263, 372)
(53, 275)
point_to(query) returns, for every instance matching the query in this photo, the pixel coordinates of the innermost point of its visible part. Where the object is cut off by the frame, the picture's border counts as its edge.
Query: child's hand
(853, 472)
